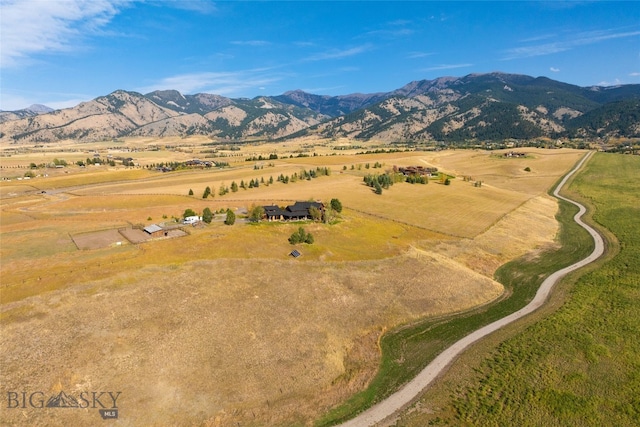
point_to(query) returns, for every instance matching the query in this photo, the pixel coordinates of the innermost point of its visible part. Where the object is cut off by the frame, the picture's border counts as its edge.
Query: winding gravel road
(411, 390)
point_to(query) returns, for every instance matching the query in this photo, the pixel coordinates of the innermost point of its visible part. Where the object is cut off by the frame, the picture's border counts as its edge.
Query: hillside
(492, 106)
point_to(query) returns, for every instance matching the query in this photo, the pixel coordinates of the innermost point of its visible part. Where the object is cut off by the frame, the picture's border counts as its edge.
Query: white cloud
(615, 82)
(251, 42)
(415, 55)
(204, 7)
(579, 39)
(219, 83)
(340, 53)
(31, 27)
(11, 101)
(634, 74)
(446, 67)
(555, 70)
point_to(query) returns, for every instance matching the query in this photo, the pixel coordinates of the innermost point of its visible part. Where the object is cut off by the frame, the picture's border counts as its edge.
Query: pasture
(575, 363)
(222, 326)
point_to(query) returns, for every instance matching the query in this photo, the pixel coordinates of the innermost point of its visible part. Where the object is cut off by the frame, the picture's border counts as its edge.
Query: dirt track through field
(388, 407)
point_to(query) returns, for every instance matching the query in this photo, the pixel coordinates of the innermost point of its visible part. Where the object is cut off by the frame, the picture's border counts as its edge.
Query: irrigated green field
(578, 366)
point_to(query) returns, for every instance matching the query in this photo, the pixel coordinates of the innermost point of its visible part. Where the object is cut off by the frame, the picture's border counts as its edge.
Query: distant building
(297, 211)
(417, 170)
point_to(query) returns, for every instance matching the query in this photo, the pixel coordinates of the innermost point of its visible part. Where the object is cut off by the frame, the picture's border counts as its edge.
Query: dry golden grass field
(222, 326)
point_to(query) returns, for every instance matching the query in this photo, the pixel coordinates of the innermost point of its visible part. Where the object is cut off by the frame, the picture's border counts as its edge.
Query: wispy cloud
(205, 7)
(12, 100)
(615, 82)
(554, 69)
(447, 67)
(416, 55)
(220, 83)
(251, 42)
(573, 41)
(340, 53)
(634, 74)
(391, 32)
(33, 27)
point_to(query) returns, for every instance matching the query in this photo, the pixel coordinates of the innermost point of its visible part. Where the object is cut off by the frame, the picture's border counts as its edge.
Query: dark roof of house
(298, 209)
(273, 210)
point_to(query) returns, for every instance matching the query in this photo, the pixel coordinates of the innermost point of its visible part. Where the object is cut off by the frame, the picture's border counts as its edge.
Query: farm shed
(154, 230)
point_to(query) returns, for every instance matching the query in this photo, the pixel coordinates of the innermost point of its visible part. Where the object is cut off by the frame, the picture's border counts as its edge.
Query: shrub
(207, 192)
(231, 217)
(336, 205)
(189, 212)
(207, 215)
(256, 213)
(301, 236)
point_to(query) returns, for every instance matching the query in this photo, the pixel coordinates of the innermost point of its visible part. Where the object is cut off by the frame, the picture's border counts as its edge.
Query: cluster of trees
(94, 161)
(255, 182)
(417, 179)
(304, 175)
(180, 165)
(382, 150)
(301, 236)
(272, 156)
(376, 165)
(385, 180)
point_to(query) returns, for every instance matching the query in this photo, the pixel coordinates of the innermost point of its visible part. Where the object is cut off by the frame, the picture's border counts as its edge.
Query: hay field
(221, 326)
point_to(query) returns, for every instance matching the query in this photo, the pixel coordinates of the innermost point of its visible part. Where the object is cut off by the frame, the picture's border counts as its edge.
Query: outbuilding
(154, 230)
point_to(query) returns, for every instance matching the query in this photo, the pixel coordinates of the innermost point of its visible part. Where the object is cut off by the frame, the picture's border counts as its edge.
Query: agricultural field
(221, 325)
(576, 362)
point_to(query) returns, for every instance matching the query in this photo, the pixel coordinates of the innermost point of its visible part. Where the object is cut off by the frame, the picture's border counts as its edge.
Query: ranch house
(416, 170)
(297, 211)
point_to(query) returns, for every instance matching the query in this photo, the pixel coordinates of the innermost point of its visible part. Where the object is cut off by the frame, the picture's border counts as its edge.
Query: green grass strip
(579, 366)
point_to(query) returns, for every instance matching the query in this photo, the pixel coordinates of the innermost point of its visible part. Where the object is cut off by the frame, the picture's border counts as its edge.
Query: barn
(154, 230)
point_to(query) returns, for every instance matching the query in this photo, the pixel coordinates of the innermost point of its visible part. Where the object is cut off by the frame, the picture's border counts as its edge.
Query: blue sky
(60, 53)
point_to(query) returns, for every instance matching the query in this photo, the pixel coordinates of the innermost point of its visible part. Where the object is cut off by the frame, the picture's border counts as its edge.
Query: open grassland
(222, 327)
(577, 366)
(407, 350)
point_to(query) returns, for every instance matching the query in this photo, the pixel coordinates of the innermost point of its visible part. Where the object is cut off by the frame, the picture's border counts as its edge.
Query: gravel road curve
(412, 390)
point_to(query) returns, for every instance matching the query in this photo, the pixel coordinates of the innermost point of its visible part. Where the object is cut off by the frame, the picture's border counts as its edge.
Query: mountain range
(492, 106)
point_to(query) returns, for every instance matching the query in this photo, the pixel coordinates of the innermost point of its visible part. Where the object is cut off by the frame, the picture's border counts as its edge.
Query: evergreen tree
(207, 215)
(207, 192)
(231, 217)
(378, 187)
(336, 205)
(189, 212)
